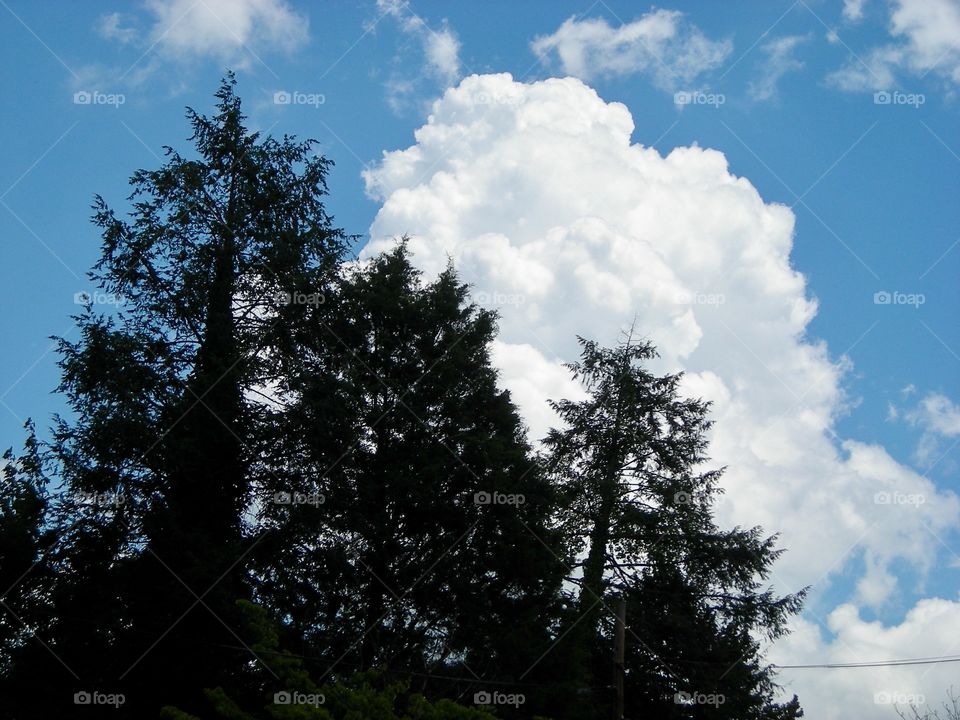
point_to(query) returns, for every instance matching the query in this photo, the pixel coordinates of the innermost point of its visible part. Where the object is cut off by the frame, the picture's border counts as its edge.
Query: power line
(937, 659)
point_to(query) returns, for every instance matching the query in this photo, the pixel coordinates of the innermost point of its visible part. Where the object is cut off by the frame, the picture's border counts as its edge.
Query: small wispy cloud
(440, 47)
(661, 43)
(853, 9)
(778, 61)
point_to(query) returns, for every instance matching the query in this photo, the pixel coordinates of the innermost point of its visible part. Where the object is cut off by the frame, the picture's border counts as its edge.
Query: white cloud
(538, 195)
(660, 43)
(778, 61)
(930, 628)
(925, 34)
(226, 29)
(114, 26)
(853, 9)
(440, 47)
(939, 419)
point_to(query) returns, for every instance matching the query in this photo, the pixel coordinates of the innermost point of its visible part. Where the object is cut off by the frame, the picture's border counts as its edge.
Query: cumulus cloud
(567, 228)
(660, 43)
(930, 629)
(778, 61)
(925, 36)
(440, 47)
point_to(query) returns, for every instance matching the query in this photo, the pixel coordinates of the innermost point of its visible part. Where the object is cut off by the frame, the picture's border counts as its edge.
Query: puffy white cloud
(226, 29)
(925, 34)
(778, 61)
(930, 628)
(660, 43)
(567, 228)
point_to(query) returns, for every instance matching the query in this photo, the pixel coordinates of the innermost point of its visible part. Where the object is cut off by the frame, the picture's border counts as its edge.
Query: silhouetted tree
(156, 471)
(431, 552)
(638, 516)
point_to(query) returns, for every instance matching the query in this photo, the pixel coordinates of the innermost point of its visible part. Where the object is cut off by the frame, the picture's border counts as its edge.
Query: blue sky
(786, 91)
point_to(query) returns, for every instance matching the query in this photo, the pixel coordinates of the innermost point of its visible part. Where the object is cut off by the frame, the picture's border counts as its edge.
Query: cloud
(925, 34)
(929, 629)
(660, 44)
(778, 62)
(567, 228)
(440, 48)
(113, 27)
(228, 30)
(853, 9)
(939, 418)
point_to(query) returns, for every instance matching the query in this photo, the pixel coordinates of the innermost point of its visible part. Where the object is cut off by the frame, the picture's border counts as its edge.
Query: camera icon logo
(82, 97)
(82, 298)
(282, 498)
(482, 498)
(682, 97)
(82, 698)
(682, 498)
(881, 298)
(281, 97)
(882, 98)
(282, 698)
(482, 698)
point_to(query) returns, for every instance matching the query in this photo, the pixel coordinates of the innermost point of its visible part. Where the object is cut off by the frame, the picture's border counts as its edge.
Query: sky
(766, 189)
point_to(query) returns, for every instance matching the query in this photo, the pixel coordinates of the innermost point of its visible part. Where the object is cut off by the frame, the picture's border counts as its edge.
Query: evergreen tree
(637, 514)
(431, 553)
(157, 469)
(24, 541)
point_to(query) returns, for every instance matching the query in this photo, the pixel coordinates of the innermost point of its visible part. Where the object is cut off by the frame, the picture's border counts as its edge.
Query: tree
(637, 515)
(210, 267)
(949, 711)
(24, 540)
(430, 553)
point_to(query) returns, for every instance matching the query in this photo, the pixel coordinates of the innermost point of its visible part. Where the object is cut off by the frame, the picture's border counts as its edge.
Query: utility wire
(879, 663)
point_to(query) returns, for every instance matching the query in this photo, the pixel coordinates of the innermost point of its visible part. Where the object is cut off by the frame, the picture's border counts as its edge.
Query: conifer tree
(638, 514)
(156, 470)
(431, 553)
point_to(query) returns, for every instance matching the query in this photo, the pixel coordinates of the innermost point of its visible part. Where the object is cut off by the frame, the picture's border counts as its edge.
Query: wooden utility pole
(619, 638)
